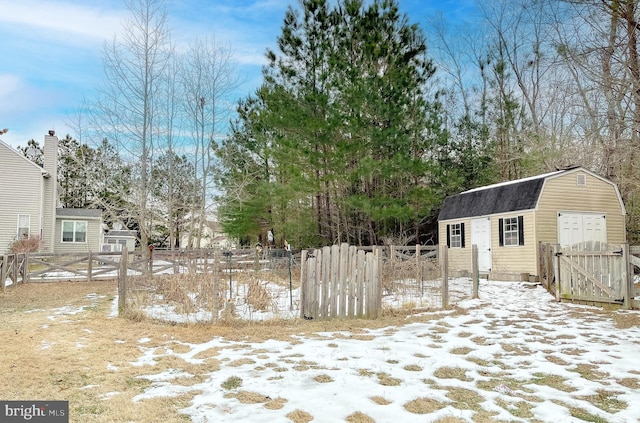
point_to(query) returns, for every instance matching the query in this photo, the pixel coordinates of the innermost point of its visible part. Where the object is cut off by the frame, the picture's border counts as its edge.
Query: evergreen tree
(338, 143)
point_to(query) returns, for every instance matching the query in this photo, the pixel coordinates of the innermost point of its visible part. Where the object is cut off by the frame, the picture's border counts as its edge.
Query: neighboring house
(117, 238)
(508, 221)
(212, 237)
(28, 205)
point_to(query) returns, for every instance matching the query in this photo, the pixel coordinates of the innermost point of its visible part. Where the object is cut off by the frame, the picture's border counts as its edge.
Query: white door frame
(481, 237)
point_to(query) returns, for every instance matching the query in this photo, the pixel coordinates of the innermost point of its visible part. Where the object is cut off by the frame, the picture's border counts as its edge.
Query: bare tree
(208, 78)
(126, 110)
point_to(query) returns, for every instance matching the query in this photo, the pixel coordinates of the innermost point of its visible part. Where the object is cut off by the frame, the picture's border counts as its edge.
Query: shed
(508, 221)
(117, 238)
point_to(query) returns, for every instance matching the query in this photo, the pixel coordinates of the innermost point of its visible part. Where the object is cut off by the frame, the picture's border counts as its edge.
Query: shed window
(24, 222)
(455, 235)
(511, 231)
(74, 231)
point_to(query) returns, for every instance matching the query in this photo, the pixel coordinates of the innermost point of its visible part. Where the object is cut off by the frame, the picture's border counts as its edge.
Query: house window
(581, 180)
(74, 231)
(511, 231)
(24, 222)
(455, 235)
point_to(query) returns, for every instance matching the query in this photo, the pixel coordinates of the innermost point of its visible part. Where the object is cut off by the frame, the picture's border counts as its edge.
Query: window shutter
(500, 232)
(448, 236)
(462, 235)
(520, 230)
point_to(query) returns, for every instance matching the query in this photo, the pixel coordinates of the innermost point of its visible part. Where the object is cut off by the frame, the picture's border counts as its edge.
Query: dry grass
(554, 381)
(606, 400)
(461, 350)
(581, 414)
(451, 373)
(299, 416)
(69, 356)
(90, 346)
(380, 400)
(323, 378)
(359, 417)
(424, 405)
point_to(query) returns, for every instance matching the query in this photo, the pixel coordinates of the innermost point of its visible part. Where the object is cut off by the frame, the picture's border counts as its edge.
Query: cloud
(78, 23)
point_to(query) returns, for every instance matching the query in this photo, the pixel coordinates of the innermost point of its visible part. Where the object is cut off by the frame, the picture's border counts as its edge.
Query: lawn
(514, 355)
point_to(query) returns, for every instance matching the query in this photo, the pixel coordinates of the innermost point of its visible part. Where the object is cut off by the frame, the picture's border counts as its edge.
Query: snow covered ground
(513, 355)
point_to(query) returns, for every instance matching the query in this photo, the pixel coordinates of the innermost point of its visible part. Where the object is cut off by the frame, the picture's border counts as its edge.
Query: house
(118, 237)
(29, 205)
(212, 236)
(509, 220)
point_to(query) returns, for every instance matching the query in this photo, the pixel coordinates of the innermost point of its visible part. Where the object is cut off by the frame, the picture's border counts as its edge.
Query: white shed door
(481, 236)
(575, 227)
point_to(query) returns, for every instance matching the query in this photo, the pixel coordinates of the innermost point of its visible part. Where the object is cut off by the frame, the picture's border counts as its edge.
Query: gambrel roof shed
(508, 220)
(521, 194)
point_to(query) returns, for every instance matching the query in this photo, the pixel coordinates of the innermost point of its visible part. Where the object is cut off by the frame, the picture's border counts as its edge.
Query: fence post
(444, 260)
(25, 269)
(418, 266)
(627, 277)
(475, 278)
(14, 269)
(122, 281)
(556, 269)
(3, 270)
(90, 266)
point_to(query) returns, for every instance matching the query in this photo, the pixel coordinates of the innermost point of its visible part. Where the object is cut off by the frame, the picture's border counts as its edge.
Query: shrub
(25, 245)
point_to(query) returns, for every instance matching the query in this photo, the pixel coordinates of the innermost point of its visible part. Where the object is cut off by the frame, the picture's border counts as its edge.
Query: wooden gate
(340, 281)
(12, 266)
(589, 272)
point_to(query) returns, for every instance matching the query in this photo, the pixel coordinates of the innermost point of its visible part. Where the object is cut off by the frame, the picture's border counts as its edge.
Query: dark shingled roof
(70, 212)
(501, 198)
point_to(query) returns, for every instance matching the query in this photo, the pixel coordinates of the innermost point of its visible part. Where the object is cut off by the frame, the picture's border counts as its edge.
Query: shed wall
(459, 258)
(562, 193)
(515, 258)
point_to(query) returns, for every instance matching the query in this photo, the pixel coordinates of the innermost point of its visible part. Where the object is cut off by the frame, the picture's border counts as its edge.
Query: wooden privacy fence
(340, 281)
(344, 281)
(589, 272)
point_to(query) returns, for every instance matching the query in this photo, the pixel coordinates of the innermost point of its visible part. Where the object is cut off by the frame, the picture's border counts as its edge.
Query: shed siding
(563, 194)
(20, 187)
(515, 258)
(459, 258)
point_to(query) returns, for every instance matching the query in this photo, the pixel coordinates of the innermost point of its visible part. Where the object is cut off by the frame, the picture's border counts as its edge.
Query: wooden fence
(344, 281)
(340, 281)
(13, 267)
(590, 273)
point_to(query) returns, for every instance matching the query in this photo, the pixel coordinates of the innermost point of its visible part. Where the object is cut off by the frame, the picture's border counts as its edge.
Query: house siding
(94, 228)
(563, 194)
(20, 188)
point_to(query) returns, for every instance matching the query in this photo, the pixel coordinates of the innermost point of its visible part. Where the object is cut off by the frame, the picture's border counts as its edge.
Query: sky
(514, 354)
(52, 50)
